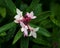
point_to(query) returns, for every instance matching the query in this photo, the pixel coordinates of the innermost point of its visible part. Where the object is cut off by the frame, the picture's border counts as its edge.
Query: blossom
(24, 23)
(19, 16)
(19, 19)
(33, 31)
(31, 15)
(24, 28)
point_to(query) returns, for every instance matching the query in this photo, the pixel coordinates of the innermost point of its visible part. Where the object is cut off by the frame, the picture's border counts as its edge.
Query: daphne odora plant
(24, 23)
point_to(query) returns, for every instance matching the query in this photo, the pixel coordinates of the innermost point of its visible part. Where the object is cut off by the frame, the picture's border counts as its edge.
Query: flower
(24, 28)
(31, 15)
(24, 23)
(18, 17)
(33, 31)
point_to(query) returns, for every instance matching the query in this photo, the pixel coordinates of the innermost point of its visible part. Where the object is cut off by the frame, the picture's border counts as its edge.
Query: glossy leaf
(41, 17)
(40, 41)
(55, 14)
(44, 32)
(31, 7)
(23, 7)
(46, 23)
(17, 37)
(6, 27)
(10, 33)
(38, 10)
(10, 5)
(24, 42)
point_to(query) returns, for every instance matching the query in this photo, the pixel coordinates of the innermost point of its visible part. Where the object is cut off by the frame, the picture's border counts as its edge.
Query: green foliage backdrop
(48, 21)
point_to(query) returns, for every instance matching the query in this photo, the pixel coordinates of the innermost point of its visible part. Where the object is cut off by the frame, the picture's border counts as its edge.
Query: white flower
(19, 16)
(25, 20)
(24, 29)
(31, 15)
(33, 32)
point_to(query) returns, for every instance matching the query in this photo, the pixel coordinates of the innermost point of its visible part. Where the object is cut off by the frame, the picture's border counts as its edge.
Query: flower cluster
(24, 23)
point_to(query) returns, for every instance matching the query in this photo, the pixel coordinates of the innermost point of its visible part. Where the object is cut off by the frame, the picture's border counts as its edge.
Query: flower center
(26, 20)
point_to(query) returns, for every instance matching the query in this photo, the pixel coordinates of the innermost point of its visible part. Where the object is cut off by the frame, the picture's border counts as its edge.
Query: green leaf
(17, 3)
(2, 11)
(6, 27)
(17, 37)
(46, 23)
(55, 21)
(10, 5)
(41, 17)
(24, 42)
(55, 33)
(3, 34)
(55, 14)
(23, 7)
(10, 33)
(44, 32)
(38, 10)
(32, 5)
(40, 41)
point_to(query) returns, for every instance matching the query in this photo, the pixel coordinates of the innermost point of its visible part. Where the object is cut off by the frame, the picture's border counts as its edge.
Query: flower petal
(36, 29)
(25, 32)
(19, 12)
(16, 21)
(33, 31)
(31, 13)
(22, 29)
(22, 24)
(17, 17)
(28, 14)
(33, 17)
(34, 34)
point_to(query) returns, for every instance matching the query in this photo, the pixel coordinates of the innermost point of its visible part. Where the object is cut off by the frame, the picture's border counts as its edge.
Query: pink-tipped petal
(33, 17)
(33, 31)
(24, 28)
(32, 14)
(27, 13)
(22, 24)
(25, 32)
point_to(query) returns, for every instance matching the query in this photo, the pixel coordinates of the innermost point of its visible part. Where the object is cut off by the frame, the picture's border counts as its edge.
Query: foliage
(48, 20)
